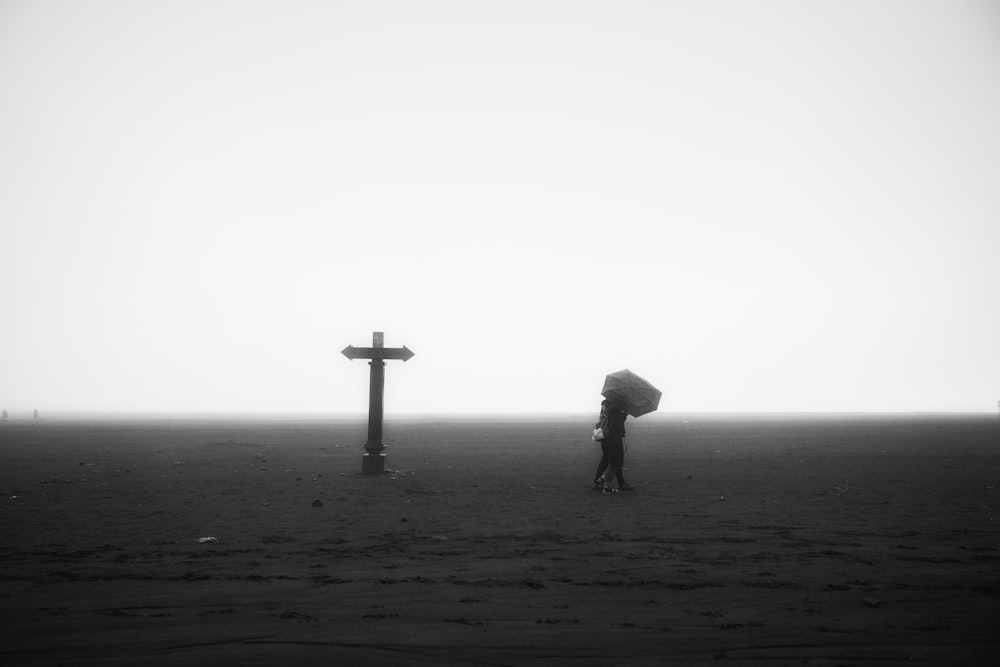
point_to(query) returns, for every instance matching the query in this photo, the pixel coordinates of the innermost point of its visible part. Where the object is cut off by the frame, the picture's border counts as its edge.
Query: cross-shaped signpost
(373, 463)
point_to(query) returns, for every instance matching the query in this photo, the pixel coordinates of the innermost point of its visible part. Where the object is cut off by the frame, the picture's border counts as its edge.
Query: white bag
(598, 434)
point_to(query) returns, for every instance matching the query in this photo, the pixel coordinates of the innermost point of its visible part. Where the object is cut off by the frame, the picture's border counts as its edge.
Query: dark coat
(615, 421)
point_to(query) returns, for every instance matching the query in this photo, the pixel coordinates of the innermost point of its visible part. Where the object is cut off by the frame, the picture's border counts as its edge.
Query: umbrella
(635, 394)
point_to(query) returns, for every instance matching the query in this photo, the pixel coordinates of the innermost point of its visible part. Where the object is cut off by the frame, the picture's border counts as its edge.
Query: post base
(373, 464)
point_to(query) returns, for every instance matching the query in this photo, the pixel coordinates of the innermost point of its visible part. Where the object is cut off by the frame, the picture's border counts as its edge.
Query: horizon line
(313, 414)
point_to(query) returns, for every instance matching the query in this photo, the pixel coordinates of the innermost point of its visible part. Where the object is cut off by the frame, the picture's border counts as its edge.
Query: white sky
(770, 206)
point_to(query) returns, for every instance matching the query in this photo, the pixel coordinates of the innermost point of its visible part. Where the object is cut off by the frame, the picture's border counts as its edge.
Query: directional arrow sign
(374, 460)
(353, 353)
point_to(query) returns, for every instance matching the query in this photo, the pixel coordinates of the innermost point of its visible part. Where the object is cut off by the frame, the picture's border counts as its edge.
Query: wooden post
(373, 462)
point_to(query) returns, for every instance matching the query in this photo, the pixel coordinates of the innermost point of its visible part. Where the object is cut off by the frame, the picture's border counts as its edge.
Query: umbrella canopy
(635, 394)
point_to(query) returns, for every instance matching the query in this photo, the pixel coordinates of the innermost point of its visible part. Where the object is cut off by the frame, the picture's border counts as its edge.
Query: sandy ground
(750, 541)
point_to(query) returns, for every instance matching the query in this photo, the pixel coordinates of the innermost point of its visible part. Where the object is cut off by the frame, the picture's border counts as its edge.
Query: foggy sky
(770, 206)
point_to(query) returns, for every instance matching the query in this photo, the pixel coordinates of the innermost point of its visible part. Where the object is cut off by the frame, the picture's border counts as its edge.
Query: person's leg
(607, 478)
(603, 465)
(613, 448)
(622, 484)
(616, 456)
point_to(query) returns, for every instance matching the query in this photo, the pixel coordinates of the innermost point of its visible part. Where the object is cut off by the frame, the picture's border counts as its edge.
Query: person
(602, 423)
(612, 422)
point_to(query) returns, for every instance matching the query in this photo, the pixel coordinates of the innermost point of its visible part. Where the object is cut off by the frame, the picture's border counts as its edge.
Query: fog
(772, 206)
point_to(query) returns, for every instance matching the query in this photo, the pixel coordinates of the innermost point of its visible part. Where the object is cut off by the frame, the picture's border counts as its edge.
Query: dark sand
(750, 541)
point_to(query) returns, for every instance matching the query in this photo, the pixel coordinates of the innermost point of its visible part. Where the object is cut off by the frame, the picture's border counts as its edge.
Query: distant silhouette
(612, 422)
(36, 414)
(5, 415)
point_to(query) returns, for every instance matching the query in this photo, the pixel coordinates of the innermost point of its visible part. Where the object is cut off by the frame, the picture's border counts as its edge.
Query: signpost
(373, 463)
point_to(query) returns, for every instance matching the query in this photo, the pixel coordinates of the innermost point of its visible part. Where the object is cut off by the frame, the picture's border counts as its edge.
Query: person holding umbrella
(626, 394)
(612, 422)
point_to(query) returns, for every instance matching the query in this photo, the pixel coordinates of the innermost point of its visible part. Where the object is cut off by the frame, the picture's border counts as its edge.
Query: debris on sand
(317, 503)
(57, 480)
(233, 443)
(870, 602)
(207, 540)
